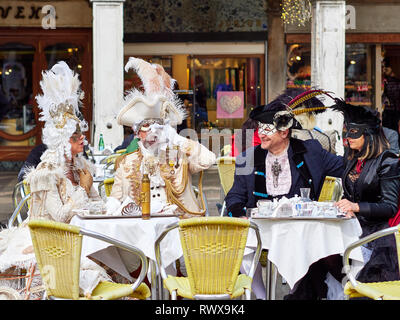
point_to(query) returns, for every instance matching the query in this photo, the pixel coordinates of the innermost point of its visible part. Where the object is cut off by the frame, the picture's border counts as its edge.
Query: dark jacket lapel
(260, 188)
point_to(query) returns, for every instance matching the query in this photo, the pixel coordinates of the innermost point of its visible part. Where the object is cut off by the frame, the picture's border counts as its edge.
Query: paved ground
(211, 187)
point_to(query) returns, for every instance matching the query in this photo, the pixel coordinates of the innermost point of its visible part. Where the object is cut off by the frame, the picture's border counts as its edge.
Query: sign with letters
(46, 15)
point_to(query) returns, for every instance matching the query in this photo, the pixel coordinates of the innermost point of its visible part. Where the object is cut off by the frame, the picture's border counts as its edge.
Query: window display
(226, 89)
(16, 112)
(358, 71)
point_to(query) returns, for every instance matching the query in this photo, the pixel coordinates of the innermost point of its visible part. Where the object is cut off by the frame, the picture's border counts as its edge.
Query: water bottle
(101, 142)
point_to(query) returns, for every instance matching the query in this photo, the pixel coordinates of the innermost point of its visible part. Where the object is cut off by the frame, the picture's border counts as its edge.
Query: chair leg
(173, 295)
(223, 209)
(248, 294)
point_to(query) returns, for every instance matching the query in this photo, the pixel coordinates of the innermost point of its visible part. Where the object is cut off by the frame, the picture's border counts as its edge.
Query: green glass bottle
(101, 142)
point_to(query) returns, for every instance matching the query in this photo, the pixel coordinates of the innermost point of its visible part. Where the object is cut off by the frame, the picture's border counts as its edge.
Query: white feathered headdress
(158, 100)
(59, 107)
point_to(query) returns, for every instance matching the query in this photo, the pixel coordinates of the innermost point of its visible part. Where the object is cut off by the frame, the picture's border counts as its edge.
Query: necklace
(276, 169)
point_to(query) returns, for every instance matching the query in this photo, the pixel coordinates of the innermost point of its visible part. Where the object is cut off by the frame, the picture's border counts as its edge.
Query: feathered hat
(285, 109)
(358, 115)
(59, 107)
(158, 100)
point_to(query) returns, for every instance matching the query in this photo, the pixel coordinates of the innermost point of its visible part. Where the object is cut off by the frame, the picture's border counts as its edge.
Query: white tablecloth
(294, 245)
(134, 231)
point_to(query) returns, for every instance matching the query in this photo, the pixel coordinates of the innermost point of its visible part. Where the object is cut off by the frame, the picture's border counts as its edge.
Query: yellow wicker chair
(226, 171)
(331, 190)
(213, 250)
(58, 254)
(107, 184)
(387, 290)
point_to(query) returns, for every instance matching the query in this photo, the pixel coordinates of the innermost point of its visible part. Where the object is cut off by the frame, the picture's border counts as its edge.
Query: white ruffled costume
(161, 110)
(53, 196)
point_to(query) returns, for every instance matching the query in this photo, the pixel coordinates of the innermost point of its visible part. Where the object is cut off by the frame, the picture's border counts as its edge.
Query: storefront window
(70, 53)
(16, 106)
(226, 90)
(299, 66)
(358, 71)
(391, 86)
(358, 74)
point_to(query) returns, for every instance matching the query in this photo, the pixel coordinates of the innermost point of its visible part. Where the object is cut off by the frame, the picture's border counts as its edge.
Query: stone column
(328, 58)
(108, 70)
(276, 52)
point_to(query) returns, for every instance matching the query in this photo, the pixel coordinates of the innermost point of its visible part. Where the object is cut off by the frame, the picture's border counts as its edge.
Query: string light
(296, 11)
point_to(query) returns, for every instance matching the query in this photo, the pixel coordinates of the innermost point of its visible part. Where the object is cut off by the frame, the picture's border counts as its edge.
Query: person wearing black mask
(371, 188)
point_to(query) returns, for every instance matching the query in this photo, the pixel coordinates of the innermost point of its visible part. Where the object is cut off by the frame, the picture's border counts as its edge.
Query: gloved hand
(85, 179)
(167, 135)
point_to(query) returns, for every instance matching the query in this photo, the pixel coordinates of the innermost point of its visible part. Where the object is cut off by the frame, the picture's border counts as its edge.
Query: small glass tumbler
(264, 207)
(305, 194)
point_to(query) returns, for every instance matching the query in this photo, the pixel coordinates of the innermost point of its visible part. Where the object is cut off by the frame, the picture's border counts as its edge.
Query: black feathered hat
(358, 115)
(282, 111)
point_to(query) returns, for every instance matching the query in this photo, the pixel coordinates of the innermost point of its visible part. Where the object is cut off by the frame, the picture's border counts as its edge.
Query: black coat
(376, 192)
(308, 161)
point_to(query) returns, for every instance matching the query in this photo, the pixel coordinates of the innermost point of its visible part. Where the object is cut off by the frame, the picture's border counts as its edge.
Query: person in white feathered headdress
(167, 157)
(62, 182)
(62, 163)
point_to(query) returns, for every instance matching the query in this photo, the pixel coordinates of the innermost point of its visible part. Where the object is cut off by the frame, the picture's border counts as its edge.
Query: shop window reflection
(71, 53)
(299, 66)
(210, 78)
(358, 71)
(391, 87)
(358, 74)
(16, 101)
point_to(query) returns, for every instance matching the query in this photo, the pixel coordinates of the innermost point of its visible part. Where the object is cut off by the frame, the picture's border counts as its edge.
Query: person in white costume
(168, 158)
(62, 181)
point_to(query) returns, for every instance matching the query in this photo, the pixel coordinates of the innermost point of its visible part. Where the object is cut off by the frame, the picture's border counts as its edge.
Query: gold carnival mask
(66, 111)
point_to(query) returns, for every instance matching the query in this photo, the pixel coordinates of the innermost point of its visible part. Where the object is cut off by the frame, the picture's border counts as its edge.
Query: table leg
(274, 276)
(154, 281)
(270, 281)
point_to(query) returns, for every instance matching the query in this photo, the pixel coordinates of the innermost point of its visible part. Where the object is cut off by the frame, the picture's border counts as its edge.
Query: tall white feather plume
(148, 75)
(156, 82)
(60, 86)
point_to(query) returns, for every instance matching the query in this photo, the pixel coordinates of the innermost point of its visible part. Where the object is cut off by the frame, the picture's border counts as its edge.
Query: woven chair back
(226, 171)
(331, 190)
(58, 251)
(213, 250)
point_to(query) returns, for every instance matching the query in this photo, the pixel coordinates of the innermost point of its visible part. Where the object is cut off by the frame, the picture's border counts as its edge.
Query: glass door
(24, 54)
(17, 116)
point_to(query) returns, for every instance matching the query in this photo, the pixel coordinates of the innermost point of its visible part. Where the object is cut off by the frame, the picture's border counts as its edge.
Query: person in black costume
(371, 188)
(32, 161)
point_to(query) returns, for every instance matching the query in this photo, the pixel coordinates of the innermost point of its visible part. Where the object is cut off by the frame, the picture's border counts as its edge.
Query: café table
(293, 244)
(134, 231)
